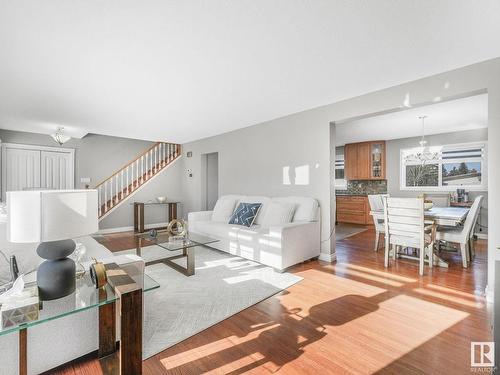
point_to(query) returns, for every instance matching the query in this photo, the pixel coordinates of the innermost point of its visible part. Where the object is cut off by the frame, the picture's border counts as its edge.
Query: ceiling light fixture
(423, 154)
(60, 137)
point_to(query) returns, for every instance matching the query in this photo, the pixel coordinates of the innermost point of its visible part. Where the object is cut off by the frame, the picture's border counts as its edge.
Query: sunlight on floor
(383, 280)
(379, 273)
(447, 297)
(456, 292)
(412, 322)
(204, 351)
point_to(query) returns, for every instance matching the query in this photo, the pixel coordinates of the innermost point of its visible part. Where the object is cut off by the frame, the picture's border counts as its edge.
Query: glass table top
(85, 297)
(152, 203)
(163, 240)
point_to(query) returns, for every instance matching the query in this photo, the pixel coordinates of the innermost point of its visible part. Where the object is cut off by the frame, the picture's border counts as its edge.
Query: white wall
(251, 160)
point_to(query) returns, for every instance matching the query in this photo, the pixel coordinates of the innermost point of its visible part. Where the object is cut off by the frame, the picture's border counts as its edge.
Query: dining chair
(377, 204)
(472, 247)
(461, 235)
(405, 227)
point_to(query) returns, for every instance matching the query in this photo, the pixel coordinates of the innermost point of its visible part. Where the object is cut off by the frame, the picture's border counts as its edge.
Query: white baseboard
(483, 236)
(128, 229)
(330, 258)
(489, 295)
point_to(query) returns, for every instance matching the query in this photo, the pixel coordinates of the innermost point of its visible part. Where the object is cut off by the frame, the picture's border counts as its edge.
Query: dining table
(439, 216)
(443, 216)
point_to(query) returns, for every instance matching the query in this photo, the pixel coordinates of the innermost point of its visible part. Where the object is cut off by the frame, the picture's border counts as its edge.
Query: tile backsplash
(363, 187)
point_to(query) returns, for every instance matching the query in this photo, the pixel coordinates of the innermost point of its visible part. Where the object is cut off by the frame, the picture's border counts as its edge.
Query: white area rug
(222, 286)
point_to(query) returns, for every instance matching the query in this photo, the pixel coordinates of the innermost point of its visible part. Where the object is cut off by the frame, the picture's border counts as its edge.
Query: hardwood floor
(354, 316)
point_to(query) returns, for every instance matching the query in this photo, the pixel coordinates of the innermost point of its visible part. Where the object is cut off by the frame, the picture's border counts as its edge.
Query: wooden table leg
(130, 306)
(172, 211)
(131, 333)
(23, 351)
(138, 217)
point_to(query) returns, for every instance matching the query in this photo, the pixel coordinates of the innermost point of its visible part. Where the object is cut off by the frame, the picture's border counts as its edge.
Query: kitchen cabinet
(353, 209)
(365, 160)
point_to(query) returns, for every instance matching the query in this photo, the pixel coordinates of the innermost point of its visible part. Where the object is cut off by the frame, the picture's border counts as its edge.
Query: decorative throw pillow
(278, 213)
(245, 214)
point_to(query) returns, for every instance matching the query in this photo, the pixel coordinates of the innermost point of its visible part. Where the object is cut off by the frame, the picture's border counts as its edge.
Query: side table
(121, 294)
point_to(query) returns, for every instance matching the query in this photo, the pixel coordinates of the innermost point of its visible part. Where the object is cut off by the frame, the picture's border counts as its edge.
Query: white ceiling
(445, 117)
(182, 70)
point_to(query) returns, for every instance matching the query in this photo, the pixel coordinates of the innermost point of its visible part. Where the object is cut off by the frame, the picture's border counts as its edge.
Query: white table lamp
(52, 218)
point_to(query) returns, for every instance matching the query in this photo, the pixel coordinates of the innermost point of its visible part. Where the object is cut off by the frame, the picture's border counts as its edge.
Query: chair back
(377, 204)
(404, 222)
(471, 219)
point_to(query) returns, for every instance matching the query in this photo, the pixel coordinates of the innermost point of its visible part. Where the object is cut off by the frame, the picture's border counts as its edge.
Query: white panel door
(21, 169)
(56, 170)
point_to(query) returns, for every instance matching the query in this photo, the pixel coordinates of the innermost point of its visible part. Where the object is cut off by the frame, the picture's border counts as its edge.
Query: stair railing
(133, 175)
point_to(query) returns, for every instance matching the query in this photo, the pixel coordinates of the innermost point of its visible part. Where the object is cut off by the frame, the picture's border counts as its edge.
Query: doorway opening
(209, 180)
(437, 152)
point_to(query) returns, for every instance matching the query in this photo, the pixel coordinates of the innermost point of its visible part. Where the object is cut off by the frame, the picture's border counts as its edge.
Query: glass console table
(120, 288)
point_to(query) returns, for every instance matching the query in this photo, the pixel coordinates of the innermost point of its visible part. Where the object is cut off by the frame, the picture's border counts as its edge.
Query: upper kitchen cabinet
(365, 160)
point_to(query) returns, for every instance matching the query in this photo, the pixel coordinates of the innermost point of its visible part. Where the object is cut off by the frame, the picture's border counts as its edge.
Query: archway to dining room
(437, 152)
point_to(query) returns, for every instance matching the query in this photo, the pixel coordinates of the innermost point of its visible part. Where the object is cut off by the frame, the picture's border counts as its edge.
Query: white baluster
(150, 169)
(99, 212)
(128, 181)
(111, 203)
(163, 153)
(137, 172)
(142, 167)
(106, 195)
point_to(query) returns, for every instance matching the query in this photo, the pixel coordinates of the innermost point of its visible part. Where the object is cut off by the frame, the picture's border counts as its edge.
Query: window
(340, 181)
(462, 165)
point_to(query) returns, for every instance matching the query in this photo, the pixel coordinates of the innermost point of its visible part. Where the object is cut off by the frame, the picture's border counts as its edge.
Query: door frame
(6, 146)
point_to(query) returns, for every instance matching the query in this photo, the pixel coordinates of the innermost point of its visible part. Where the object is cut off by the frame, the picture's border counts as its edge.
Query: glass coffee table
(163, 240)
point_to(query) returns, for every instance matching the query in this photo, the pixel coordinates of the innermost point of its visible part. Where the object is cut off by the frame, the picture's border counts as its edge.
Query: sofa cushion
(245, 214)
(217, 230)
(306, 209)
(278, 213)
(224, 208)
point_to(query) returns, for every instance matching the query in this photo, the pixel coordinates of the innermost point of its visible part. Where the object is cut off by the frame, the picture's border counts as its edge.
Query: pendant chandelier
(423, 154)
(60, 137)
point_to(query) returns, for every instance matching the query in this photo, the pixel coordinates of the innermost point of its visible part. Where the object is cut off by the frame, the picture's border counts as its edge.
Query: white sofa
(59, 341)
(277, 238)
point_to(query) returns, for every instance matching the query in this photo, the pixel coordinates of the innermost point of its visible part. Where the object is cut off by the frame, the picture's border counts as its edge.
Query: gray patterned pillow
(245, 214)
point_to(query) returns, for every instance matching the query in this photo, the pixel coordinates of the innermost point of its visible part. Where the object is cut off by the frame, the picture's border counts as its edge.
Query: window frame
(339, 163)
(448, 147)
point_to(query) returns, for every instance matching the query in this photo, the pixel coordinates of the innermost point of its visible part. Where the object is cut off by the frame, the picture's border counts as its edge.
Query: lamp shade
(51, 215)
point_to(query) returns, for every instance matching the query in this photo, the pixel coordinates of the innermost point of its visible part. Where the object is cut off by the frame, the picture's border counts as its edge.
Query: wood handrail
(133, 161)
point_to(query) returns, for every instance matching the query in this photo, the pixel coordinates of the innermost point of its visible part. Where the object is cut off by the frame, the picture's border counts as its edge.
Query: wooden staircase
(122, 184)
